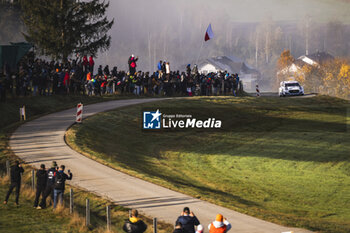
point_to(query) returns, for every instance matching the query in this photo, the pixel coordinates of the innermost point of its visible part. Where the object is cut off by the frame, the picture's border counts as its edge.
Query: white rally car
(289, 88)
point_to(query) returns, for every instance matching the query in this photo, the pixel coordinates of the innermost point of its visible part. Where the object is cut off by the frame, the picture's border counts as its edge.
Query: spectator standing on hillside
(91, 65)
(188, 70)
(134, 224)
(199, 229)
(85, 64)
(178, 228)
(167, 69)
(49, 185)
(66, 81)
(220, 225)
(132, 64)
(60, 183)
(2, 91)
(16, 172)
(188, 220)
(159, 65)
(41, 180)
(195, 70)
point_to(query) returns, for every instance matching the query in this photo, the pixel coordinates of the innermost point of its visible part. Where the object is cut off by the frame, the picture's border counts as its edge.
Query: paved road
(42, 141)
(275, 94)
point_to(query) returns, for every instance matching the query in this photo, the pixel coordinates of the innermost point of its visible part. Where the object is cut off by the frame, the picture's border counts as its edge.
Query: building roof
(318, 58)
(230, 64)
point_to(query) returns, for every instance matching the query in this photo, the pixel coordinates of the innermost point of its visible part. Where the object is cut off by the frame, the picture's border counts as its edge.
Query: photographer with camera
(49, 185)
(16, 172)
(134, 224)
(59, 185)
(188, 220)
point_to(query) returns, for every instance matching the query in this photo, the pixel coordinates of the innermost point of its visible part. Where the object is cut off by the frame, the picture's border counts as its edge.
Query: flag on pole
(209, 33)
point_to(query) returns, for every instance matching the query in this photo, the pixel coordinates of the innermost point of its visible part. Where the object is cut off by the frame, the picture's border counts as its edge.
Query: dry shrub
(104, 230)
(4, 180)
(77, 223)
(61, 210)
(27, 192)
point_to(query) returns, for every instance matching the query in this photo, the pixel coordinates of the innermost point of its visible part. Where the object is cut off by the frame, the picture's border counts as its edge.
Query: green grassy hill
(27, 219)
(284, 160)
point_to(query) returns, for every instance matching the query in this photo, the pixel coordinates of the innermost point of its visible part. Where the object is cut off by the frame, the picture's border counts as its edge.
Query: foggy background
(174, 30)
(256, 31)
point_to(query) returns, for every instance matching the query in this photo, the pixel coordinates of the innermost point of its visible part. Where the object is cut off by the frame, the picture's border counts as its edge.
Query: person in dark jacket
(132, 64)
(16, 172)
(134, 224)
(178, 228)
(188, 220)
(41, 180)
(49, 185)
(60, 183)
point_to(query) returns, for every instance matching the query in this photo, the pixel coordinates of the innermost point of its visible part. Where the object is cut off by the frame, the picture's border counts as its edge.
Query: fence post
(8, 168)
(71, 202)
(155, 225)
(33, 179)
(108, 217)
(87, 222)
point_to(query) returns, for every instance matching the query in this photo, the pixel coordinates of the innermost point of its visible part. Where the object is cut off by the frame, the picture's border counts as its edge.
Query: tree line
(331, 77)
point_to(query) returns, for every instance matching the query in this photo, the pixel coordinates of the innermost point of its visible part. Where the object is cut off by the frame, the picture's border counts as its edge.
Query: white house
(315, 59)
(232, 65)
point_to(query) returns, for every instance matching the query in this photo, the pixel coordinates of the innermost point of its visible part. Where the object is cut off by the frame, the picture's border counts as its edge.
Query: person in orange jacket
(88, 76)
(220, 225)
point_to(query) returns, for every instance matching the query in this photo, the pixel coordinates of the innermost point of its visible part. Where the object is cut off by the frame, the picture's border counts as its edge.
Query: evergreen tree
(59, 28)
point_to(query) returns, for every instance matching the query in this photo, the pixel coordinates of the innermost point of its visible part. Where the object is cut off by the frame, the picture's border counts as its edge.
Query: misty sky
(140, 24)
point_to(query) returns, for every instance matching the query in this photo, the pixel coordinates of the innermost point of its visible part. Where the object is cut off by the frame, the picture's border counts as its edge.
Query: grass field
(26, 218)
(285, 160)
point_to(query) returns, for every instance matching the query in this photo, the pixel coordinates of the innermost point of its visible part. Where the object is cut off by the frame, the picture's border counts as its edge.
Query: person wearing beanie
(49, 185)
(200, 229)
(220, 225)
(188, 220)
(41, 180)
(134, 224)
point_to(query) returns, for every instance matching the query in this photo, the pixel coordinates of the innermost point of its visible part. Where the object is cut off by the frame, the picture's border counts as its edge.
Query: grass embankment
(283, 160)
(26, 218)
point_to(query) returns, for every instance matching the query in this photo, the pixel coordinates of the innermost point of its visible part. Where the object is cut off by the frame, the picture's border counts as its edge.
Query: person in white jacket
(167, 68)
(220, 225)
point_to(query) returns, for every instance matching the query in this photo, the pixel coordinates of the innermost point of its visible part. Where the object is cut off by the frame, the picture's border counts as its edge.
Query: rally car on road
(290, 88)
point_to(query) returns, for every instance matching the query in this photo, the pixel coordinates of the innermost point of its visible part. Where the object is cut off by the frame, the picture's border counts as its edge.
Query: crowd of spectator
(39, 77)
(51, 182)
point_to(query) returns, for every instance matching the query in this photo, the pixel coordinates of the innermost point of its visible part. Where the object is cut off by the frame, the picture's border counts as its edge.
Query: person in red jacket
(91, 64)
(132, 64)
(85, 63)
(220, 225)
(66, 81)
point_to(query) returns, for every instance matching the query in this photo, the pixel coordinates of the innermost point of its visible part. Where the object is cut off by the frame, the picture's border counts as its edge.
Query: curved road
(42, 141)
(275, 94)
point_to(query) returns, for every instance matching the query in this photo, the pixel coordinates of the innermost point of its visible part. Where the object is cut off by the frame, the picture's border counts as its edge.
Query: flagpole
(199, 52)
